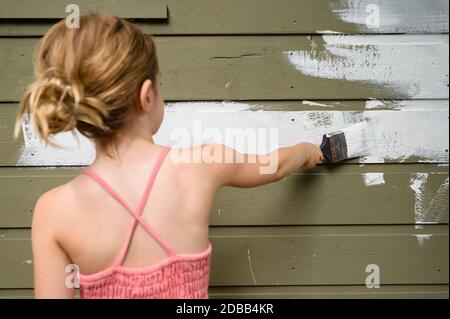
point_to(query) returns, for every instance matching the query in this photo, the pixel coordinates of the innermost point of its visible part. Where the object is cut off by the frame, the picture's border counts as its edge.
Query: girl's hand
(313, 154)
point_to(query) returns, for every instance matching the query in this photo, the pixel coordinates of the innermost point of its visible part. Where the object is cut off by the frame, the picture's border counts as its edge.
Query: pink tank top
(178, 276)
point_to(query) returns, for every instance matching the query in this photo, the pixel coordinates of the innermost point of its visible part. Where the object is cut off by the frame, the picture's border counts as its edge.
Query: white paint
(316, 104)
(398, 135)
(408, 105)
(374, 159)
(374, 104)
(75, 148)
(417, 184)
(404, 16)
(209, 107)
(415, 66)
(422, 238)
(427, 206)
(251, 267)
(373, 179)
(328, 32)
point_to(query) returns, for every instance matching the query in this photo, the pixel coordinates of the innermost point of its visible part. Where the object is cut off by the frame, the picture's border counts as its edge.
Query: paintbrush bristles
(360, 140)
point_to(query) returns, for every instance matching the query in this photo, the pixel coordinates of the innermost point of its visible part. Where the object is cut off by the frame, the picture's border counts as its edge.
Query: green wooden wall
(306, 67)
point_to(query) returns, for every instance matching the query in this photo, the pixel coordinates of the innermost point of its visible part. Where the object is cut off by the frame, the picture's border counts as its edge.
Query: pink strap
(136, 216)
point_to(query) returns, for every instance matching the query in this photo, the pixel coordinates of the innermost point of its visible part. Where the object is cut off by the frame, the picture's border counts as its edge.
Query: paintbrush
(354, 141)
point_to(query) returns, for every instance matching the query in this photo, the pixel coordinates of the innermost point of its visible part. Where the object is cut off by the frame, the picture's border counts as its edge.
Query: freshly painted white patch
(374, 104)
(373, 159)
(403, 16)
(328, 32)
(408, 105)
(76, 149)
(373, 179)
(422, 238)
(386, 61)
(316, 104)
(208, 107)
(427, 207)
(417, 184)
(398, 135)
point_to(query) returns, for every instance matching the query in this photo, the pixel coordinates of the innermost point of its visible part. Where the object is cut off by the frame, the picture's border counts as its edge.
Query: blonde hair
(88, 78)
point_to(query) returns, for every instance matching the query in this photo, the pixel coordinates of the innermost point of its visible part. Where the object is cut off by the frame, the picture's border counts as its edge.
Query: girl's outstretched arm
(245, 170)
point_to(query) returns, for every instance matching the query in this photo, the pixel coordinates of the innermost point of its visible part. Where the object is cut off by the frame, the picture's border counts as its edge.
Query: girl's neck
(128, 150)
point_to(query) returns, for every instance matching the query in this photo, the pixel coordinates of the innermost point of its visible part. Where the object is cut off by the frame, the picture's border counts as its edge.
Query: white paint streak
(417, 184)
(209, 107)
(75, 148)
(407, 105)
(395, 16)
(398, 135)
(316, 104)
(428, 207)
(328, 32)
(386, 61)
(374, 104)
(251, 267)
(373, 179)
(422, 238)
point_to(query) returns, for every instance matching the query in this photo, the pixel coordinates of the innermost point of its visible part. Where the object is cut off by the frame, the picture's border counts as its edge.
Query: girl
(134, 224)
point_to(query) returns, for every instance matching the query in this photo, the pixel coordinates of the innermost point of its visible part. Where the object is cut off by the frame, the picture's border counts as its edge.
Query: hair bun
(59, 106)
(53, 105)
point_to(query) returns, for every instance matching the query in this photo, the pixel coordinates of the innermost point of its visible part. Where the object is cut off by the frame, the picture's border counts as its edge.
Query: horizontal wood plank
(371, 194)
(292, 255)
(48, 9)
(299, 292)
(277, 67)
(404, 132)
(334, 292)
(279, 17)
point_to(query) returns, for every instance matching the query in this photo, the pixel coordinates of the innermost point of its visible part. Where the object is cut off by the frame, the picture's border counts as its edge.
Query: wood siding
(305, 68)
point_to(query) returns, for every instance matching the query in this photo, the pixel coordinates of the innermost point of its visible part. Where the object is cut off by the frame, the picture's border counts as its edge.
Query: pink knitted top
(179, 276)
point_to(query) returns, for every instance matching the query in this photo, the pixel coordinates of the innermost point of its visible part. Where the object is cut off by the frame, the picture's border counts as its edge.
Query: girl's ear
(145, 96)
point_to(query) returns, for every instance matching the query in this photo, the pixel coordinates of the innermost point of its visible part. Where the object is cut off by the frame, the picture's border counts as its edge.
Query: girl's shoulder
(57, 205)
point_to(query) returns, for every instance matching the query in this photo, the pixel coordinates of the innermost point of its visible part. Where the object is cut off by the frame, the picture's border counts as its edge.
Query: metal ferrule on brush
(334, 147)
